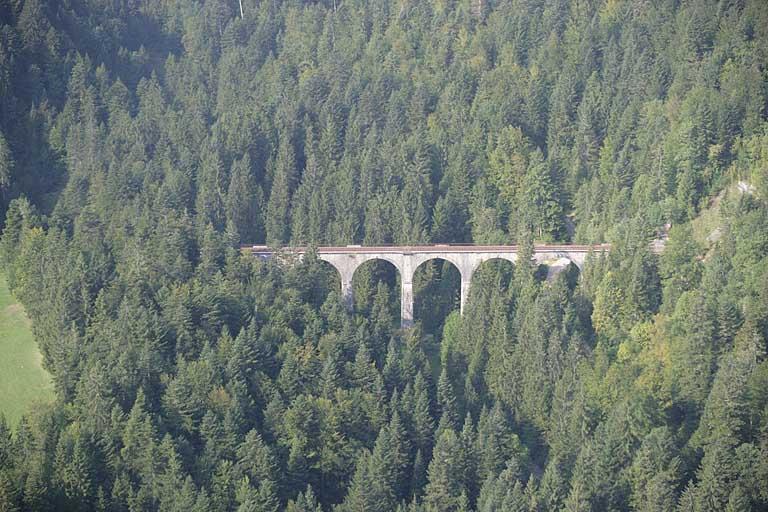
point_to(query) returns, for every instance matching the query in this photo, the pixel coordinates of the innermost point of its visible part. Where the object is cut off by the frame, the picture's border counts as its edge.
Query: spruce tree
(447, 401)
(444, 489)
(304, 502)
(421, 417)
(277, 221)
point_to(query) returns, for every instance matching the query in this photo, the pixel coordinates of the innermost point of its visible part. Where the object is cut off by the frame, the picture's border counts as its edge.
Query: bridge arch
(496, 265)
(330, 279)
(455, 259)
(556, 257)
(367, 276)
(437, 290)
(393, 260)
(347, 264)
(472, 263)
(551, 265)
(572, 273)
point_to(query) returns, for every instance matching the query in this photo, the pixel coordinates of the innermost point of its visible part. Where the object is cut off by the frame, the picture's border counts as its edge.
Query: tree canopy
(142, 142)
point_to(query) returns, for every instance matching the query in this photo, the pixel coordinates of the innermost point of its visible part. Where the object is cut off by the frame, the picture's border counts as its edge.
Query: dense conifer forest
(143, 141)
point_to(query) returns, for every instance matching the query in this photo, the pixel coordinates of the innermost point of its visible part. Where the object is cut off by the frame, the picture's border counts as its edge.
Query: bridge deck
(451, 248)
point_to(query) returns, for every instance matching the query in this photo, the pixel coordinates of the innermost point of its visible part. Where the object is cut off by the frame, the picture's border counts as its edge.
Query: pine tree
(416, 199)
(728, 323)
(309, 217)
(552, 488)
(444, 489)
(255, 459)
(139, 439)
(531, 495)
(382, 320)
(578, 498)
(447, 401)
(654, 472)
(497, 446)
(364, 372)
(9, 497)
(687, 501)
(305, 502)
(421, 417)
(508, 163)
(525, 265)
(267, 498)
(468, 463)
(6, 164)
(738, 501)
(400, 447)
(538, 203)
(298, 465)
(210, 194)
(74, 469)
(383, 472)
(644, 289)
(6, 445)
(278, 216)
(12, 233)
(679, 268)
(330, 376)
(261, 499)
(243, 202)
(175, 490)
(607, 316)
(419, 476)
(360, 496)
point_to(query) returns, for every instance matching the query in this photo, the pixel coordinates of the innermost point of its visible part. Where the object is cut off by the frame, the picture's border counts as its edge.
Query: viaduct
(466, 258)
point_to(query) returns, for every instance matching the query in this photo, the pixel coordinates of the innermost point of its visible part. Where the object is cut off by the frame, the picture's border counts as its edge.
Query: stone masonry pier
(466, 258)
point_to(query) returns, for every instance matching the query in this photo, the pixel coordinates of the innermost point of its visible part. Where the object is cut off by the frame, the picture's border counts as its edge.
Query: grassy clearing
(22, 378)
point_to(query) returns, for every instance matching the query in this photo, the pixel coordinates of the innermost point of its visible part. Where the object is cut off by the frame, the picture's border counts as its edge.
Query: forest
(143, 142)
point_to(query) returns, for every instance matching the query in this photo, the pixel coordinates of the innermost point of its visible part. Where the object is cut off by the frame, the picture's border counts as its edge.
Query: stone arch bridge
(406, 259)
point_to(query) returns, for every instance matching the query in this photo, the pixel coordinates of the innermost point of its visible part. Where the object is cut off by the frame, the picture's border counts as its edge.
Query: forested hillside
(143, 141)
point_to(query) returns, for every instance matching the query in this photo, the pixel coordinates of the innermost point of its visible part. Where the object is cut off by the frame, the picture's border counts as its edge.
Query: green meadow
(22, 377)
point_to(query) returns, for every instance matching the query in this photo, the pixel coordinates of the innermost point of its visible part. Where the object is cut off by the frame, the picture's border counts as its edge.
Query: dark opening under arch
(437, 292)
(367, 282)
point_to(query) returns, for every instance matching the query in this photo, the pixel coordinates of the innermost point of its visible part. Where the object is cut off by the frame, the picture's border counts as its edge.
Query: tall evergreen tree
(283, 182)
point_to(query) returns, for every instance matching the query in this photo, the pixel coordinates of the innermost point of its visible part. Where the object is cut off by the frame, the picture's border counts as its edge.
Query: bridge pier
(406, 304)
(347, 293)
(466, 281)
